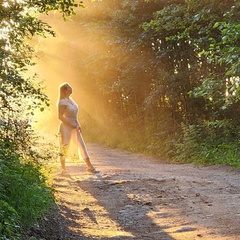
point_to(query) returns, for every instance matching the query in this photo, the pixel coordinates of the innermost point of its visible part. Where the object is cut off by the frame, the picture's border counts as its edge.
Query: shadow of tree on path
(130, 214)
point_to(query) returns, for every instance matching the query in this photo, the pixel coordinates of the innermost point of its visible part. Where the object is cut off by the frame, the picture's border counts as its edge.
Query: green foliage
(212, 142)
(165, 64)
(228, 48)
(20, 22)
(188, 40)
(24, 191)
(9, 222)
(23, 187)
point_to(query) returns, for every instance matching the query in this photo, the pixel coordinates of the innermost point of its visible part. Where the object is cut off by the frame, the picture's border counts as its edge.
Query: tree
(164, 64)
(192, 40)
(20, 22)
(24, 193)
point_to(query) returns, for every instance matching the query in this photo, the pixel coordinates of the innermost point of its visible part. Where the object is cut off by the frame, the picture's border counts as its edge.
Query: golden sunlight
(5, 29)
(5, 4)
(9, 2)
(61, 59)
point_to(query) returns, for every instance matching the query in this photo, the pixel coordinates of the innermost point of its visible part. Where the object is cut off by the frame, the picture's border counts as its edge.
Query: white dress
(67, 132)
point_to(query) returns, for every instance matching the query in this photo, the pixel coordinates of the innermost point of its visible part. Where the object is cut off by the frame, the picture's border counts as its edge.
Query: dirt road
(138, 197)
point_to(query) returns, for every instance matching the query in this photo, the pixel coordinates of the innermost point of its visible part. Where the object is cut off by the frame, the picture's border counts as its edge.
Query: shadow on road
(118, 203)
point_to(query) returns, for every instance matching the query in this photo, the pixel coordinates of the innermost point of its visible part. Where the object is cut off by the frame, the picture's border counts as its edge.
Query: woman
(70, 128)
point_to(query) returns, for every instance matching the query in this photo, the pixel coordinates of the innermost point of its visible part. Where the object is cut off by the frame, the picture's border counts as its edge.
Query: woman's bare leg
(63, 165)
(83, 151)
(63, 155)
(88, 162)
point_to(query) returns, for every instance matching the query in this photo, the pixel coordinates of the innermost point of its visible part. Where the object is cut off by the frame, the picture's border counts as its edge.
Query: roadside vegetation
(164, 77)
(165, 82)
(25, 189)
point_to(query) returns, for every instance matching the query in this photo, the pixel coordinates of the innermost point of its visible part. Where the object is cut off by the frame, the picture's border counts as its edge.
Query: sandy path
(138, 197)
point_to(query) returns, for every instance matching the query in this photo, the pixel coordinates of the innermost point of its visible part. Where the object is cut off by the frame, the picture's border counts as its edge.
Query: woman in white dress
(70, 128)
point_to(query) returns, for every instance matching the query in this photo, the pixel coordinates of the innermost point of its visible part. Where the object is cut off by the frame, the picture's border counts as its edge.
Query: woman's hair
(62, 89)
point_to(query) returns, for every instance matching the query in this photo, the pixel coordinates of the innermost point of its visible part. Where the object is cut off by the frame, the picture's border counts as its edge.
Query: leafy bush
(212, 142)
(9, 222)
(24, 193)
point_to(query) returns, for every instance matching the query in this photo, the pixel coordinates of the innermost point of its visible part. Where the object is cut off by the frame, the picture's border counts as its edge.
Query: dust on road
(139, 197)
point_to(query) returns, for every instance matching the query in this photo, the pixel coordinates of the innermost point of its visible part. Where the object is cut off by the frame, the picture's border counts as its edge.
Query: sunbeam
(62, 59)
